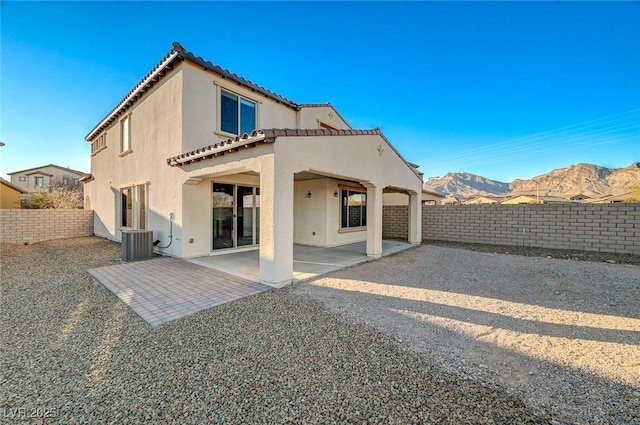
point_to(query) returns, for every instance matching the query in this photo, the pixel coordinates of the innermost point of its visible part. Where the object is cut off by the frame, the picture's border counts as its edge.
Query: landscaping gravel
(562, 335)
(73, 352)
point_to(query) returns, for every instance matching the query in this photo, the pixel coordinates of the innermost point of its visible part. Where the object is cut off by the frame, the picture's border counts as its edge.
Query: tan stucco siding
(352, 157)
(201, 92)
(156, 133)
(9, 197)
(310, 117)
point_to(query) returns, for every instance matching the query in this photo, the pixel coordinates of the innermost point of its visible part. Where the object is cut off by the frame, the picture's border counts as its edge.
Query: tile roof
(269, 136)
(12, 186)
(177, 54)
(45, 166)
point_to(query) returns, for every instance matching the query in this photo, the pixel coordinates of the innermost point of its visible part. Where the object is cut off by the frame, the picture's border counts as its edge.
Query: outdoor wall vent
(137, 245)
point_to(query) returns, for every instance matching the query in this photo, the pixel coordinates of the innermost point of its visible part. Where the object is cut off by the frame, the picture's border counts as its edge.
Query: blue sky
(501, 89)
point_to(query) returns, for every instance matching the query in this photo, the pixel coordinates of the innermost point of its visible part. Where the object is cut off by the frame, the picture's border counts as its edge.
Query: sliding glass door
(236, 211)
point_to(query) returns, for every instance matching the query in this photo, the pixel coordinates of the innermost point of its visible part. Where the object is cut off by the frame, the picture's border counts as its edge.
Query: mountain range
(586, 179)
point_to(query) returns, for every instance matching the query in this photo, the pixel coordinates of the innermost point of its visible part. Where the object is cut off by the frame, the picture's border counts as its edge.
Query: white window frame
(37, 178)
(125, 135)
(137, 223)
(22, 178)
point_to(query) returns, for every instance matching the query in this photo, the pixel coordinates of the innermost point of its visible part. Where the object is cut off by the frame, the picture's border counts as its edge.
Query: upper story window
(39, 181)
(65, 181)
(237, 114)
(99, 144)
(76, 181)
(353, 208)
(125, 135)
(22, 179)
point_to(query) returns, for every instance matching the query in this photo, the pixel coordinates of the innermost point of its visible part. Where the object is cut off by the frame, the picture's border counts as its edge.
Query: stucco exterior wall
(156, 134)
(9, 197)
(31, 226)
(311, 117)
(201, 93)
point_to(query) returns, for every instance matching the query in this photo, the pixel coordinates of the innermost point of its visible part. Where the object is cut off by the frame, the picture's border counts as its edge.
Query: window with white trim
(22, 179)
(238, 115)
(125, 134)
(353, 208)
(39, 181)
(133, 207)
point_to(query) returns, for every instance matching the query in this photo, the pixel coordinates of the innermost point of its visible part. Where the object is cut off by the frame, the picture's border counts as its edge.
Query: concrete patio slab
(308, 261)
(165, 289)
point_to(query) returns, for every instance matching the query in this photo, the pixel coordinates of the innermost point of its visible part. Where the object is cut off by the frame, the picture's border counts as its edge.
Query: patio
(308, 261)
(166, 289)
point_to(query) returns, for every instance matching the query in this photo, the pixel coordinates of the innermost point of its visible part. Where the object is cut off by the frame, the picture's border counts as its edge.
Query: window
(65, 181)
(100, 143)
(353, 208)
(237, 114)
(39, 181)
(133, 207)
(125, 135)
(22, 179)
(76, 181)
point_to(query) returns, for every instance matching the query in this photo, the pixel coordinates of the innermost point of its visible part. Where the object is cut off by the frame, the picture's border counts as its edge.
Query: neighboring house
(10, 195)
(580, 197)
(37, 177)
(533, 199)
(485, 200)
(182, 155)
(398, 198)
(611, 199)
(452, 200)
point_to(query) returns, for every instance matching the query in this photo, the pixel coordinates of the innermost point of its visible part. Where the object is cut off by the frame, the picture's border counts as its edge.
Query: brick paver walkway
(165, 289)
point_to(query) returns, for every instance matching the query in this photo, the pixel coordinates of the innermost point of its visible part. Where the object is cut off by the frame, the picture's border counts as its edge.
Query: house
(533, 199)
(612, 199)
(452, 200)
(485, 200)
(33, 178)
(10, 195)
(213, 163)
(399, 198)
(580, 197)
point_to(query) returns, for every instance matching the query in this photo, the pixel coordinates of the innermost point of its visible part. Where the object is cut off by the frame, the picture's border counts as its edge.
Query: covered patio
(308, 261)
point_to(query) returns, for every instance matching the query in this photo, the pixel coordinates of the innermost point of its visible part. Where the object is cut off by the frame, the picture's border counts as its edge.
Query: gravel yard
(563, 335)
(327, 351)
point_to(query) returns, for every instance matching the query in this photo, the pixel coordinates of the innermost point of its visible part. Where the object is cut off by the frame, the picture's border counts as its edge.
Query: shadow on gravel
(73, 348)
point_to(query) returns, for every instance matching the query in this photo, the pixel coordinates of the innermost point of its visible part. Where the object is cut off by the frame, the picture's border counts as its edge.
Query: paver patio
(165, 289)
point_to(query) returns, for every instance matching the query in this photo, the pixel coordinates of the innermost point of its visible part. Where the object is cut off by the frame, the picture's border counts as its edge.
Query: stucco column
(276, 223)
(415, 219)
(374, 221)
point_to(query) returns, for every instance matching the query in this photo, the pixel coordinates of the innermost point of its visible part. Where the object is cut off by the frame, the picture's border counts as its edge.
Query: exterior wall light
(308, 194)
(335, 193)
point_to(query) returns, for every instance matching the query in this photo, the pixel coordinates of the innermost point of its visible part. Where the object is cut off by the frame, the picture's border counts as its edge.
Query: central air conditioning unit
(137, 245)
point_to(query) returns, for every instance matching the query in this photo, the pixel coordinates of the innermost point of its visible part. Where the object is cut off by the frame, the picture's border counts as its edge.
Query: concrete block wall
(395, 222)
(588, 227)
(31, 226)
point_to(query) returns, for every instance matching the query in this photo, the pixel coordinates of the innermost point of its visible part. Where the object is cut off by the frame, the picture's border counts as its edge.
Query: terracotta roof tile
(269, 135)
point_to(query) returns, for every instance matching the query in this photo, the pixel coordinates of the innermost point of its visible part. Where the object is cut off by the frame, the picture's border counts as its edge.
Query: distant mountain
(587, 179)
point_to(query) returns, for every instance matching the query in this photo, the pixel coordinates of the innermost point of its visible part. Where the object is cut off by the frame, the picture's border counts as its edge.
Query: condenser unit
(137, 245)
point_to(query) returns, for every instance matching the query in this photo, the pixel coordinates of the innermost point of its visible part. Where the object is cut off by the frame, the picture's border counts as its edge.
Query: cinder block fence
(30, 226)
(588, 227)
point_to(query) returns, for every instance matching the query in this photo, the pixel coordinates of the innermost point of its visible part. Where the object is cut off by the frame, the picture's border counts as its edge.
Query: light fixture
(335, 193)
(309, 194)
